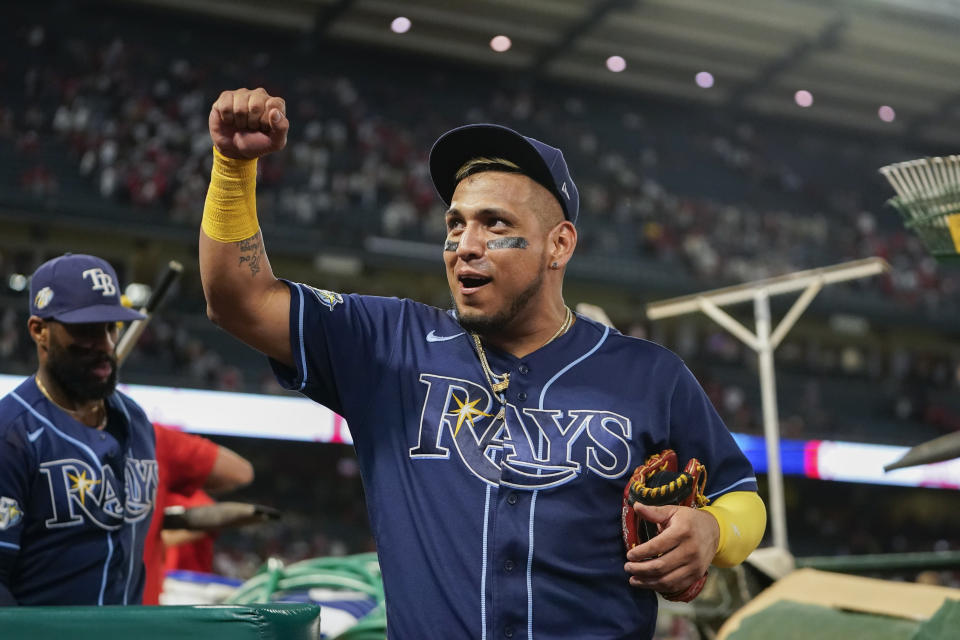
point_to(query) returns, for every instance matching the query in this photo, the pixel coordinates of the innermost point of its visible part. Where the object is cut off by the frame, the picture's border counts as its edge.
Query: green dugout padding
(206, 622)
(945, 623)
(787, 620)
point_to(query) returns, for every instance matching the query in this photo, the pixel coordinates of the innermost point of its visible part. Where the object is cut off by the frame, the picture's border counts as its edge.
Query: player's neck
(92, 413)
(529, 333)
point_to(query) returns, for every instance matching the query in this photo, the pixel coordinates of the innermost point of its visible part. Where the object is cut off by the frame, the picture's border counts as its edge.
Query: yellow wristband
(230, 210)
(742, 518)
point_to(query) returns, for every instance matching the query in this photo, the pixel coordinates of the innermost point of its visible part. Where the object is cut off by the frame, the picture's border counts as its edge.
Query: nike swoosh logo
(36, 434)
(433, 337)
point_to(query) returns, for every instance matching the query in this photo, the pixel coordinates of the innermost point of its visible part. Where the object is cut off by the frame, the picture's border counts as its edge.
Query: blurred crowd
(123, 120)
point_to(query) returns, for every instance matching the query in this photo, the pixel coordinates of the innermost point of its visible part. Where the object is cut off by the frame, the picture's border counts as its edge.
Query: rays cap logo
(77, 288)
(538, 161)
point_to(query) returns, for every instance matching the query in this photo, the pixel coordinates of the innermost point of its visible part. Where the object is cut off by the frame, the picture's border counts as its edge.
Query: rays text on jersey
(78, 491)
(528, 448)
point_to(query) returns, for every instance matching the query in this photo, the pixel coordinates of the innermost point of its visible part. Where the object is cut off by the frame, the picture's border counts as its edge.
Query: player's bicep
(266, 326)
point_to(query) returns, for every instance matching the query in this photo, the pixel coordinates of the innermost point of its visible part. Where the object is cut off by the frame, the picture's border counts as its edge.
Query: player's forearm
(742, 518)
(236, 278)
(177, 537)
(242, 294)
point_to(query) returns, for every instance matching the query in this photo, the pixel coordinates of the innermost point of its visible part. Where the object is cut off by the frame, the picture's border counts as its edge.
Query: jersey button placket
(510, 539)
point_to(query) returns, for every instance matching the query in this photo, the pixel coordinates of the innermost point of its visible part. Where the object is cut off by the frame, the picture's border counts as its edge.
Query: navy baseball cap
(539, 161)
(75, 288)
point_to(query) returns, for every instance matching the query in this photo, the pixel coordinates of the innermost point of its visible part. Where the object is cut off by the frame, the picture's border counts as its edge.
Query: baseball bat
(937, 450)
(217, 516)
(132, 334)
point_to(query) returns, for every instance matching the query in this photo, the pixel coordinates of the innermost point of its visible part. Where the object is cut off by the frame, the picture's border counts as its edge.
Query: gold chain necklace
(499, 382)
(564, 327)
(73, 412)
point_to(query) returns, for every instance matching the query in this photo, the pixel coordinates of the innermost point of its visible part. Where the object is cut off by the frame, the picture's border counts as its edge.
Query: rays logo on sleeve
(527, 448)
(328, 298)
(10, 513)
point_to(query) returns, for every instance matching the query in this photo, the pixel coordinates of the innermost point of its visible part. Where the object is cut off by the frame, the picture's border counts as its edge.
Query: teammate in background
(494, 439)
(186, 463)
(78, 472)
(186, 550)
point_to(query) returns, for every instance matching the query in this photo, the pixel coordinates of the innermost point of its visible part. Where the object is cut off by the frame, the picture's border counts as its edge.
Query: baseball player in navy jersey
(77, 467)
(495, 438)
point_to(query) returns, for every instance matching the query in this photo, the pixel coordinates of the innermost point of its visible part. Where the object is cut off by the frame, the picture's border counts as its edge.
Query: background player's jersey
(490, 529)
(75, 502)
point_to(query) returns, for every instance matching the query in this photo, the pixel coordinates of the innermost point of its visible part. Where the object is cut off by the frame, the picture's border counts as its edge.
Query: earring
(555, 265)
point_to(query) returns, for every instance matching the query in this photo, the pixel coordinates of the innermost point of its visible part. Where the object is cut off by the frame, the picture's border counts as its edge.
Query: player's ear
(39, 330)
(561, 243)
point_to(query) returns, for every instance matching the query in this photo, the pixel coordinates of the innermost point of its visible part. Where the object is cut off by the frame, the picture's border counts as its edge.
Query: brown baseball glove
(658, 482)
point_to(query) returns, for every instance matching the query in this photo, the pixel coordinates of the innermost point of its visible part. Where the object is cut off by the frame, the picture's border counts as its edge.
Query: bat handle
(174, 269)
(128, 339)
(132, 333)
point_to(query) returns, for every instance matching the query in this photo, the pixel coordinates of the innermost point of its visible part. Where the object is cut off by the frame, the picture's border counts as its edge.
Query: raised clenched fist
(248, 123)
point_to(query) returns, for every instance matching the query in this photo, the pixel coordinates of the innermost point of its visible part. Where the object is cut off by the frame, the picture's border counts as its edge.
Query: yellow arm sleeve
(230, 211)
(742, 518)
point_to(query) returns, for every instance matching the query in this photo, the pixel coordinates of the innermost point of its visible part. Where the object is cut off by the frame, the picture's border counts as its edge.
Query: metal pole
(765, 343)
(771, 423)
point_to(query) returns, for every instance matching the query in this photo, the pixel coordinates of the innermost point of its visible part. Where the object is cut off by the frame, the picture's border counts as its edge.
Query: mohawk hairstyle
(482, 163)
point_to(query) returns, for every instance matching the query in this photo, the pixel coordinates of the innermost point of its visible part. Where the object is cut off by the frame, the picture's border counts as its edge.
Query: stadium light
(400, 24)
(500, 43)
(616, 64)
(704, 79)
(17, 282)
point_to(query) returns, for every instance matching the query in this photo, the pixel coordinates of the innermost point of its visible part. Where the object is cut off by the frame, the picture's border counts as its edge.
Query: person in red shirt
(189, 550)
(185, 464)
